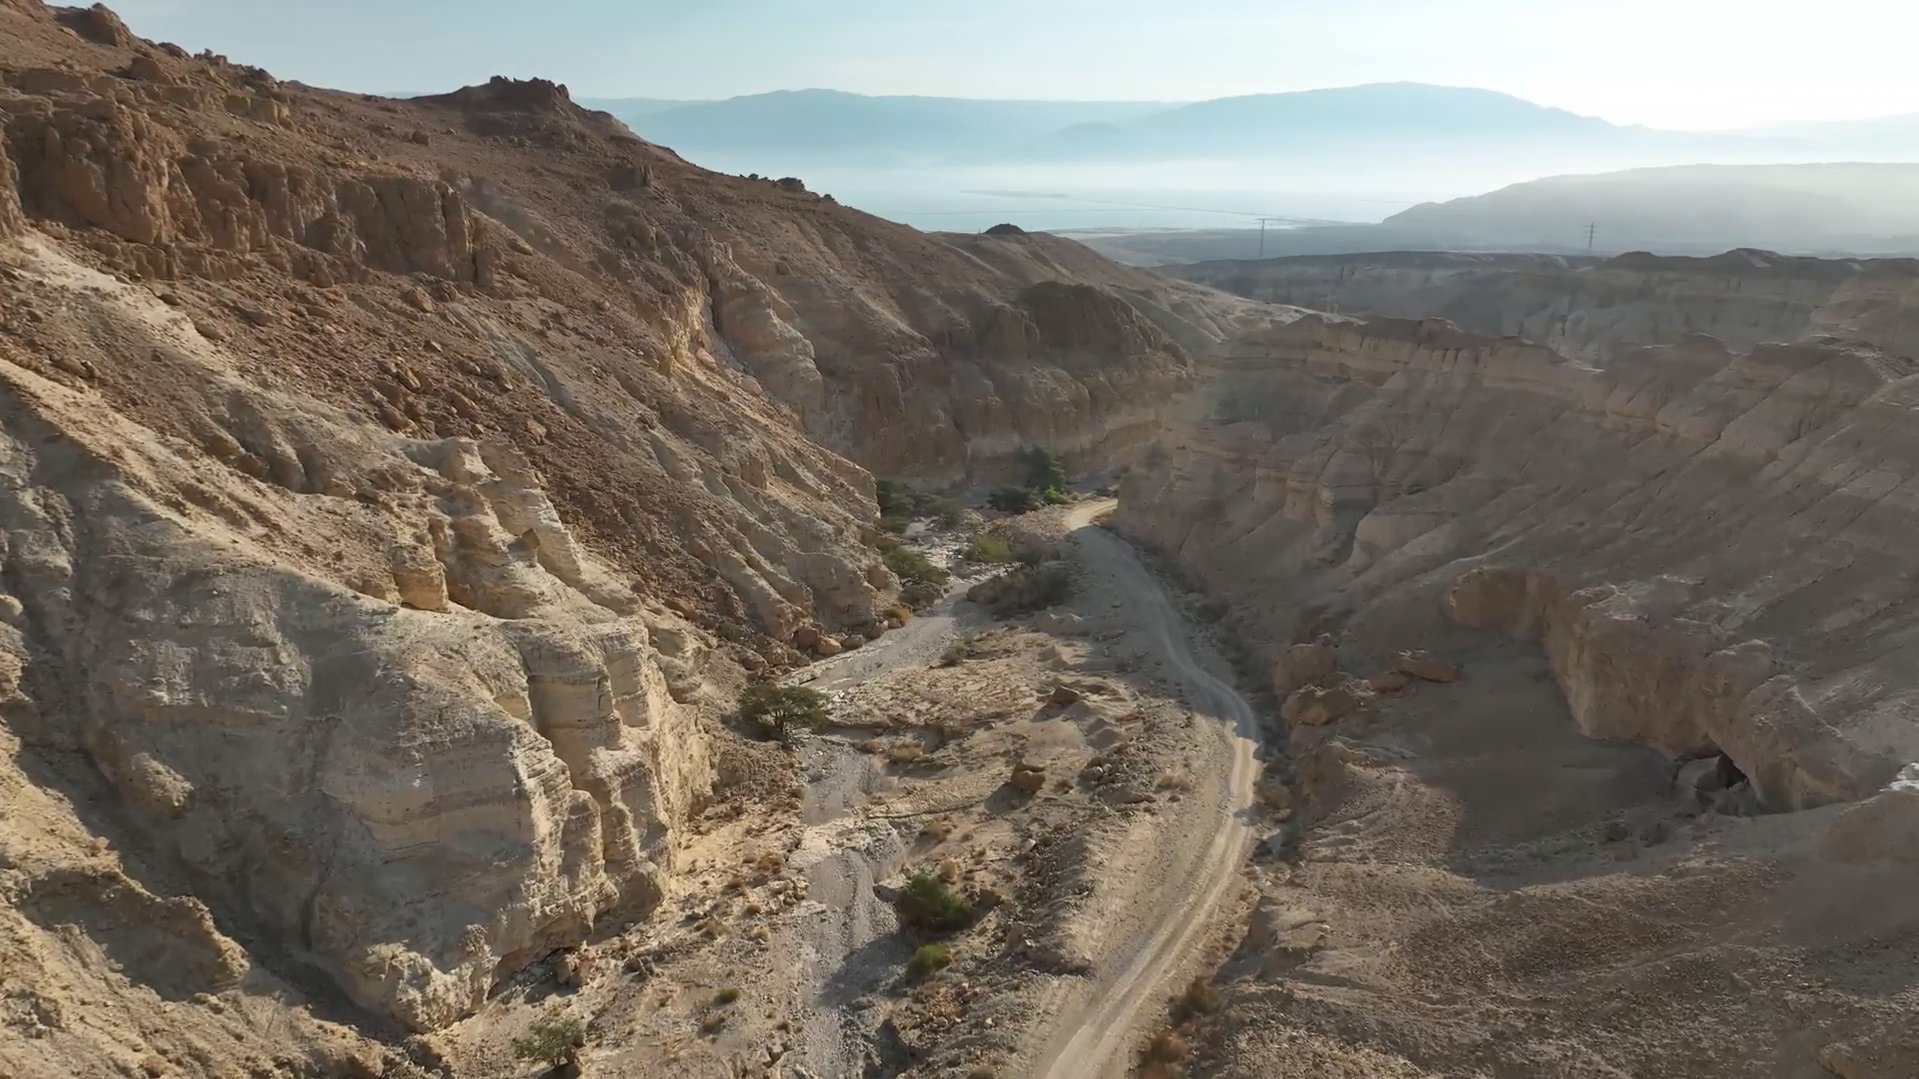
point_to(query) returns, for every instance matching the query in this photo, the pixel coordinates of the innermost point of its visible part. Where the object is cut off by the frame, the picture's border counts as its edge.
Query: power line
(1592, 230)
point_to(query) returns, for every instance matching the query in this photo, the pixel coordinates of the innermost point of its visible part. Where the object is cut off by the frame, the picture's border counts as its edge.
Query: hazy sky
(1667, 63)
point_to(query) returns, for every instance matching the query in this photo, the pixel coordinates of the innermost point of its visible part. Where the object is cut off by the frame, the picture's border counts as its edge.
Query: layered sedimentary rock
(387, 487)
(1597, 309)
(1708, 543)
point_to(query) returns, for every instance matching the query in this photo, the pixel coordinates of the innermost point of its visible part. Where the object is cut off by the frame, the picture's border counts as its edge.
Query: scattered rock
(1064, 695)
(1421, 664)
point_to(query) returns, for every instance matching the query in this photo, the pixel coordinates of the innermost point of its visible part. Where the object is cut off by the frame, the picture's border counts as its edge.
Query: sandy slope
(1090, 1038)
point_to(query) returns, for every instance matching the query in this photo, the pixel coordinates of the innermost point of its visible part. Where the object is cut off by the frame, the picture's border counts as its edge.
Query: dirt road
(1092, 1034)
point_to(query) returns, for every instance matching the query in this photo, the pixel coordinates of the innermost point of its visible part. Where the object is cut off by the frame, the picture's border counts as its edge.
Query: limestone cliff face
(1596, 310)
(939, 355)
(1706, 542)
(404, 728)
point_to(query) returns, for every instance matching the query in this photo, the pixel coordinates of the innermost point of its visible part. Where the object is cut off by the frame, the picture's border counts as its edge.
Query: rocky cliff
(394, 493)
(1705, 541)
(1595, 310)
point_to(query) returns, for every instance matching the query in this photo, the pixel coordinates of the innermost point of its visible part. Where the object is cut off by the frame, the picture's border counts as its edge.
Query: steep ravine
(1688, 548)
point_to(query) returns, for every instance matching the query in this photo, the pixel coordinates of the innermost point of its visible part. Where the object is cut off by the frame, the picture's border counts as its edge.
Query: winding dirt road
(1092, 1035)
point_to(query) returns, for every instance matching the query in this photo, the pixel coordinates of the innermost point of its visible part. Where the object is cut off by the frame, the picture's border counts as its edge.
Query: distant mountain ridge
(834, 127)
(1335, 129)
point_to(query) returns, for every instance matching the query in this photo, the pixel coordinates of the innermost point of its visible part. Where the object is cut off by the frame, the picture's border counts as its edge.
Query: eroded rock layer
(1593, 309)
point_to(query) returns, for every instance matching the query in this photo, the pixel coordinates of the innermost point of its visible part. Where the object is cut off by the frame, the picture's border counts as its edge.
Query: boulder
(99, 25)
(1389, 682)
(827, 645)
(1881, 831)
(806, 636)
(1314, 706)
(1064, 695)
(1028, 778)
(1304, 665)
(1421, 664)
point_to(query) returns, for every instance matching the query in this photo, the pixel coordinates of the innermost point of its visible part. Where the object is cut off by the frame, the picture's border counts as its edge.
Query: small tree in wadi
(780, 709)
(921, 581)
(1012, 500)
(1041, 469)
(554, 1042)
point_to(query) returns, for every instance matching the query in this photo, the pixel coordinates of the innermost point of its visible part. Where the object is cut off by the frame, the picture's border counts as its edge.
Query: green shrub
(553, 1042)
(927, 959)
(921, 582)
(927, 904)
(1012, 500)
(1042, 470)
(904, 501)
(987, 547)
(1055, 496)
(1027, 588)
(895, 498)
(779, 709)
(1052, 583)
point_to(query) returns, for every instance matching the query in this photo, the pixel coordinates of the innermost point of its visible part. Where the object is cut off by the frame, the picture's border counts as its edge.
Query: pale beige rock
(1314, 706)
(1423, 665)
(1028, 778)
(1304, 665)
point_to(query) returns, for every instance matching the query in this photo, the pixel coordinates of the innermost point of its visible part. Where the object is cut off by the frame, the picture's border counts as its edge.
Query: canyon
(1493, 664)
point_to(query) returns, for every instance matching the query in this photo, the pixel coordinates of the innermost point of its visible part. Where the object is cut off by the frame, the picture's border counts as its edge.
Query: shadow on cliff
(135, 909)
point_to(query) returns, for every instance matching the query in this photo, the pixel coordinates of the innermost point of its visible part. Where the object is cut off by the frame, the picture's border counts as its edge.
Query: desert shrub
(553, 1042)
(927, 904)
(921, 581)
(777, 710)
(927, 959)
(1028, 588)
(1200, 998)
(986, 547)
(1012, 500)
(1164, 1056)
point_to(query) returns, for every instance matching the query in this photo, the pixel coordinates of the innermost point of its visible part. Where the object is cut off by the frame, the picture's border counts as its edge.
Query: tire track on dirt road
(1092, 1034)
